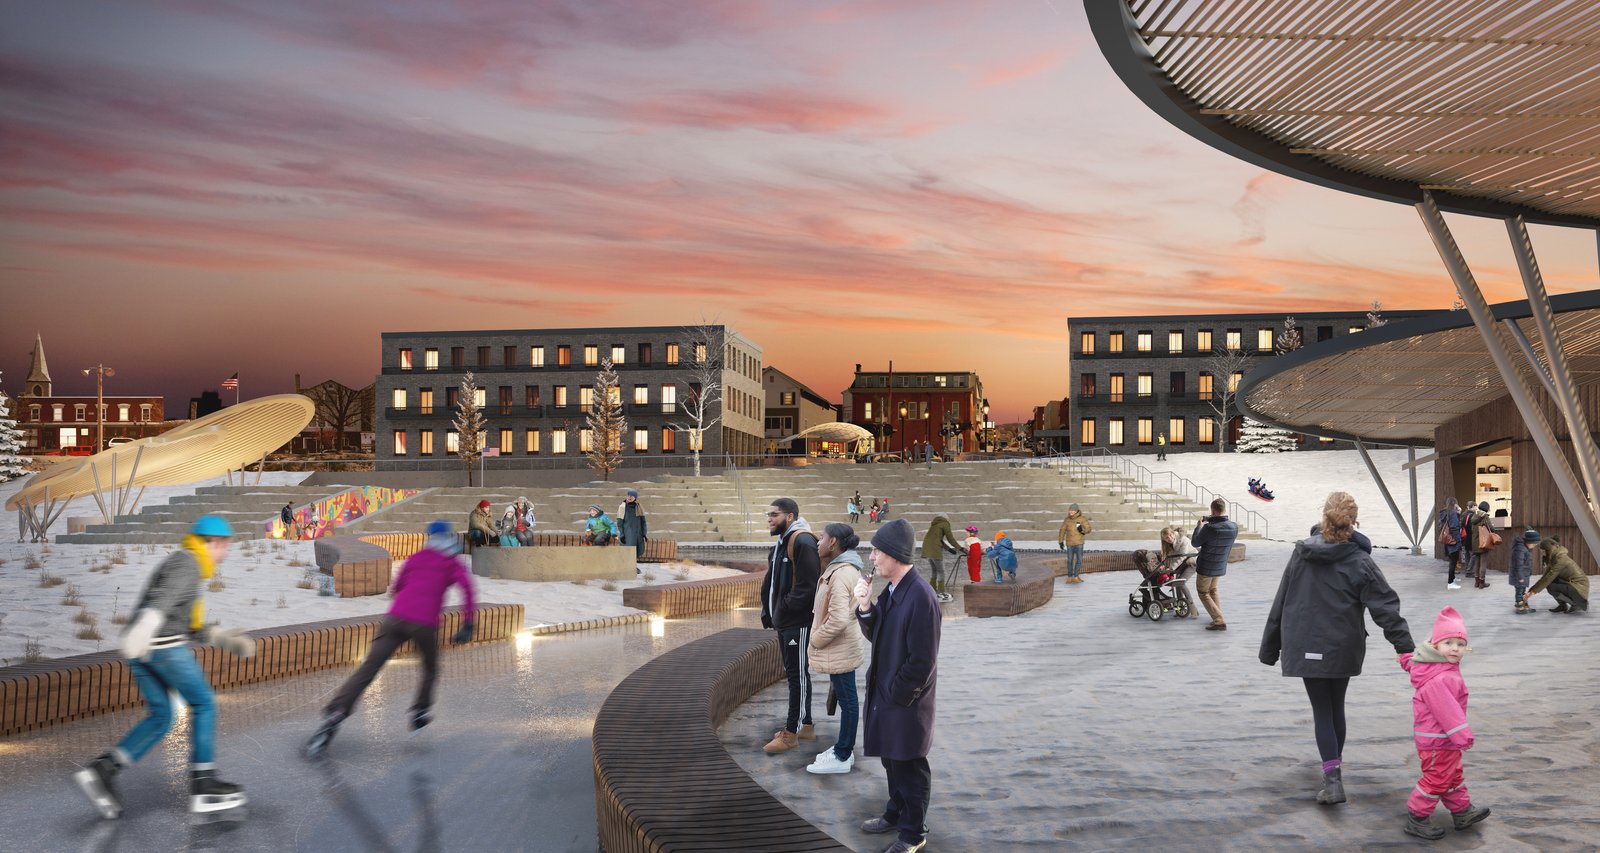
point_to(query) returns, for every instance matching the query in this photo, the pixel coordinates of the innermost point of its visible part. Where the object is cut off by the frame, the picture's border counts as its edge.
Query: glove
(231, 640)
(953, 551)
(1061, 545)
(136, 638)
(464, 635)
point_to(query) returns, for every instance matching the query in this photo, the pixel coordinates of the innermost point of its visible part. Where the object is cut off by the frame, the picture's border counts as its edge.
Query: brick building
(934, 402)
(49, 421)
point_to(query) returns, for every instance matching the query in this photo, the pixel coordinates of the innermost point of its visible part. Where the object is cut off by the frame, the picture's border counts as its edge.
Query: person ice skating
(1479, 525)
(1161, 447)
(974, 547)
(1439, 709)
(1521, 573)
(787, 594)
(419, 595)
(599, 529)
(1450, 534)
(1004, 557)
(169, 614)
(481, 527)
(1074, 530)
(631, 522)
(903, 626)
(836, 640)
(935, 543)
(1214, 536)
(1316, 626)
(526, 521)
(1567, 583)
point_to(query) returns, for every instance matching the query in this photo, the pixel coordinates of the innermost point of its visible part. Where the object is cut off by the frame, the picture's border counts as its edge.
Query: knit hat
(1530, 536)
(1483, 506)
(999, 534)
(596, 508)
(483, 504)
(633, 493)
(1073, 508)
(1449, 624)
(895, 539)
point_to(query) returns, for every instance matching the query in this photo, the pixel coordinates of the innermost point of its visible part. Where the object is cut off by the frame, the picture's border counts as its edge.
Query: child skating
(169, 614)
(1442, 734)
(419, 595)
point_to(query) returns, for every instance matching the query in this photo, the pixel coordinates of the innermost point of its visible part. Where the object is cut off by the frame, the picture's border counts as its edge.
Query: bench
(1034, 587)
(554, 563)
(662, 779)
(36, 695)
(687, 598)
(655, 550)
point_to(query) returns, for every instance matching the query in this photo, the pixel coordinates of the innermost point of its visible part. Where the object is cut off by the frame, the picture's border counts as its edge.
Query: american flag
(231, 383)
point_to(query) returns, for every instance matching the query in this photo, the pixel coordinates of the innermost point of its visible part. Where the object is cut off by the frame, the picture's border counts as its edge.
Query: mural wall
(320, 519)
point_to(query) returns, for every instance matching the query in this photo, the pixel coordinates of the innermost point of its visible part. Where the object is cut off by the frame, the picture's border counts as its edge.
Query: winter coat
(1074, 530)
(835, 635)
(1316, 620)
(1521, 564)
(420, 588)
(172, 591)
(790, 586)
(974, 547)
(635, 528)
(1214, 537)
(1173, 554)
(481, 521)
(601, 523)
(1475, 520)
(1450, 519)
(528, 521)
(1558, 566)
(904, 626)
(938, 538)
(1005, 556)
(1439, 706)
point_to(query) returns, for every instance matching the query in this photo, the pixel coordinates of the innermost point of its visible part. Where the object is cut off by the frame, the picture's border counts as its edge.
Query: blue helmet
(212, 526)
(439, 528)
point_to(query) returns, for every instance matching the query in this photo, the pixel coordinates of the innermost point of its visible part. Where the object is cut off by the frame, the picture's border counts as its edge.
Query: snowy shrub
(681, 576)
(216, 585)
(648, 577)
(307, 580)
(119, 557)
(1260, 438)
(47, 580)
(579, 582)
(32, 561)
(31, 652)
(91, 629)
(609, 586)
(83, 616)
(283, 600)
(72, 598)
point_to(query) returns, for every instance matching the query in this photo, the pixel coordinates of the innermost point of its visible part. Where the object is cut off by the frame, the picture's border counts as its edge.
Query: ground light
(658, 626)
(524, 640)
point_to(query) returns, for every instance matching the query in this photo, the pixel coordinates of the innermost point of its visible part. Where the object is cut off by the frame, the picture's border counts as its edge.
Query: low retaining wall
(687, 598)
(36, 695)
(655, 550)
(1034, 587)
(1116, 561)
(554, 563)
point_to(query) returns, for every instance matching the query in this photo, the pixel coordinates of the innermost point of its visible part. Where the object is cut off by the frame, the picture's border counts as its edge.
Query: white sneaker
(1452, 586)
(827, 762)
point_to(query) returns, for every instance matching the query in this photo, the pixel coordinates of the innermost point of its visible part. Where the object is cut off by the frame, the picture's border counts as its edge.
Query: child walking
(1442, 734)
(1521, 573)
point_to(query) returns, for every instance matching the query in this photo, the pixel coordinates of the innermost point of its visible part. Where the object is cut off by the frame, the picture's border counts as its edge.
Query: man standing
(635, 530)
(787, 594)
(291, 527)
(939, 539)
(1074, 530)
(904, 627)
(1214, 537)
(1161, 447)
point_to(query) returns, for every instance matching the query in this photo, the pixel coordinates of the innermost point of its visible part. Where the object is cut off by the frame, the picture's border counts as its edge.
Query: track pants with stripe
(1442, 781)
(796, 665)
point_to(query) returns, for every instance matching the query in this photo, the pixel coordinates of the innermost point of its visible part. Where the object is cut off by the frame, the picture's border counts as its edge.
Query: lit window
(866, 411)
(405, 359)
(672, 353)
(786, 398)
(558, 441)
(530, 441)
(480, 397)
(1086, 343)
(641, 440)
(1203, 431)
(425, 401)
(591, 355)
(1086, 432)
(1175, 342)
(1146, 386)
(561, 396)
(1233, 381)
(122, 411)
(1114, 431)
(55, 410)
(1204, 391)
(619, 353)
(1116, 388)
(536, 356)
(1175, 430)
(430, 359)
(425, 442)
(669, 399)
(939, 381)
(1146, 431)
(1114, 342)
(1234, 339)
(399, 398)
(1202, 341)
(508, 443)
(699, 353)
(399, 442)
(1143, 341)
(1354, 329)
(586, 398)
(1263, 340)
(585, 440)
(641, 395)
(669, 440)
(452, 442)
(563, 355)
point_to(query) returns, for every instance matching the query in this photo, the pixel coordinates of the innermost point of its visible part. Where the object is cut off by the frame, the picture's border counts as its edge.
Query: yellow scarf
(197, 547)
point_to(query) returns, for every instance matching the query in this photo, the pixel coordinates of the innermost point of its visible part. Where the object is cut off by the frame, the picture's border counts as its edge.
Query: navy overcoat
(898, 721)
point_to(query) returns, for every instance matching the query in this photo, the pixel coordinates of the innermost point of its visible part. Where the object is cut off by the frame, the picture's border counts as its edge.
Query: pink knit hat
(1449, 624)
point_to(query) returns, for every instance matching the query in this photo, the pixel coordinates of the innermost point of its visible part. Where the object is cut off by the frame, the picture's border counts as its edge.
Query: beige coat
(835, 635)
(1070, 533)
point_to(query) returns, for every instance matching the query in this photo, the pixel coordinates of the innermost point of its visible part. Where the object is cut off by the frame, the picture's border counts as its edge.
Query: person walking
(935, 543)
(291, 526)
(480, 526)
(788, 593)
(1214, 536)
(169, 614)
(1521, 573)
(1316, 626)
(1070, 538)
(1161, 447)
(1439, 712)
(419, 596)
(635, 528)
(1450, 535)
(904, 627)
(1567, 583)
(836, 640)
(974, 548)
(1479, 526)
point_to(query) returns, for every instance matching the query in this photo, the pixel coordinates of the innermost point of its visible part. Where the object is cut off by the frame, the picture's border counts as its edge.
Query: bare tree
(337, 407)
(701, 405)
(1223, 364)
(606, 422)
(1289, 341)
(469, 425)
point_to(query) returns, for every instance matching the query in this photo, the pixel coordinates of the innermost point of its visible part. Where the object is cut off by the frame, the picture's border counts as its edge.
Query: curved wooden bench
(687, 598)
(1034, 587)
(655, 550)
(1116, 561)
(662, 779)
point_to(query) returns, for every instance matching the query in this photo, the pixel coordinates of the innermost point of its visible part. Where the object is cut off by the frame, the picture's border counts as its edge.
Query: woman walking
(836, 639)
(1316, 625)
(1450, 537)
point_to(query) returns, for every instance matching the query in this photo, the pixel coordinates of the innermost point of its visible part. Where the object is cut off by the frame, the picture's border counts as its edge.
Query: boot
(1522, 607)
(782, 741)
(1332, 788)
(1561, 607)
(1422, 829)
(420, 717)
(1469, 816)
(807, 732)
(319, 741)
(98, 781)
(207, 793)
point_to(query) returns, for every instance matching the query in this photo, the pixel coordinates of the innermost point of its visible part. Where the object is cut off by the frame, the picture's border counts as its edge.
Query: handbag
(1445, 537)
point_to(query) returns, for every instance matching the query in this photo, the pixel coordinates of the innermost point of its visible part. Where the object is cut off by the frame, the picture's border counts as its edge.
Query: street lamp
(902, 432)
(983, 426)
(100, 372)
(927, 436)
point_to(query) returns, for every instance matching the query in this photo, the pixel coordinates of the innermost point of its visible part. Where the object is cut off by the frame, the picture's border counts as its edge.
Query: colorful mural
(319, 519)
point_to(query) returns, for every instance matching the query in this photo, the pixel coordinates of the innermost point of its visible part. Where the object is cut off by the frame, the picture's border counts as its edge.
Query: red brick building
(50, 422)
(904, 410)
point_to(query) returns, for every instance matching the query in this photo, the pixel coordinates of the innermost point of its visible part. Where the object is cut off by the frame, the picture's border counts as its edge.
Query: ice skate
(209, 794)
(420, 717)
(318, 743)
(98, 781)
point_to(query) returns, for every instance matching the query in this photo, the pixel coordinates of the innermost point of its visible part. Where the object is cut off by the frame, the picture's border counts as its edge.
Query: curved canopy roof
(1493, 105)
(1396, 383)
(833, 431)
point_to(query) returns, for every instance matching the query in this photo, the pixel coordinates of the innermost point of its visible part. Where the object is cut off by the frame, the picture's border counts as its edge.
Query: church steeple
(38, 384)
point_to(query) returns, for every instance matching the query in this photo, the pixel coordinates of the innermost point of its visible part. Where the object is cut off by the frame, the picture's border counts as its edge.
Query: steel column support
(1411, 470)
(1495, 341)
(1388, 498)
(1527, 353)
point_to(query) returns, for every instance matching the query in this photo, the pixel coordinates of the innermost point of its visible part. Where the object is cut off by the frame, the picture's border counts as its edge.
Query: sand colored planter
(554, 563)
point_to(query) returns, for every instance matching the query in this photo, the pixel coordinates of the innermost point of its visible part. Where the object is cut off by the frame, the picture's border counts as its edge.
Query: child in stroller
(1163, 586)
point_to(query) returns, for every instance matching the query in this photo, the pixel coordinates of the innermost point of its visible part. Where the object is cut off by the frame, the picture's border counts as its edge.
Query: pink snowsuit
(1439, 709)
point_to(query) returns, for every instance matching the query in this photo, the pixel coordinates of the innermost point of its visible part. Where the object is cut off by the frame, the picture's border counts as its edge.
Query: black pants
(392, 634)
(910, 786)
(1455, 562)
(1327, 713)
(796, 666)
(1563, 592)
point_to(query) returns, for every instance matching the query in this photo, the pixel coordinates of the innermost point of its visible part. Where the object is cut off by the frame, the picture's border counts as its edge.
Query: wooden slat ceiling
(1497, 99)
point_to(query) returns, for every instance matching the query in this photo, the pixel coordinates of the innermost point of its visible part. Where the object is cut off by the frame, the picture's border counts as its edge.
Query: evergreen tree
(1289, 341)
(469, 425)
(1256, 437)
(1375, 316)
(12, 465)
(606, 422)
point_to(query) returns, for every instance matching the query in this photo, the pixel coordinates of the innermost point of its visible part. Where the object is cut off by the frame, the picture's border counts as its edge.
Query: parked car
(75, 450)
(121, 439)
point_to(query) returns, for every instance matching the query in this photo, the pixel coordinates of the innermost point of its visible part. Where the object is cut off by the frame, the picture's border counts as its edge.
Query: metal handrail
(738, 489)
(1142, 477)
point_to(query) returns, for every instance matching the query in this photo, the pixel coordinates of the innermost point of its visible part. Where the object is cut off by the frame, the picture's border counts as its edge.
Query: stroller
(1163, 588)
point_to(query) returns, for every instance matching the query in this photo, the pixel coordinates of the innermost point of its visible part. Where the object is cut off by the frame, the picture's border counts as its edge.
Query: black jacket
(1214, 537)
(1316, 621)
(789, 590)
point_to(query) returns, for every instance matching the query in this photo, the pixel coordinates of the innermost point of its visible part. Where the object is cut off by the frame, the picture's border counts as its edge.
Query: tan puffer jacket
(835, 635)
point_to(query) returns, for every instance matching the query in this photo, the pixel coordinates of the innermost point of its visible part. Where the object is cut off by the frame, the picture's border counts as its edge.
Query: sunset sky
(194, 187)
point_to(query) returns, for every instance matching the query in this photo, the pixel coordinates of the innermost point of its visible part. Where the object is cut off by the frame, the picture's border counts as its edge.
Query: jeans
(844, 690)
(392, 634)
(168, 671)
(1520, 590)
(910, 787)
(1206, 586)
(1074, 560)
(796, 666)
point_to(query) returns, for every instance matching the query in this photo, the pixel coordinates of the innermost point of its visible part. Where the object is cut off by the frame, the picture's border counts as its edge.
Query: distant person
(787, 594)
(291, 526)
(1450, 536)
(1214, 536)
(1075, 529)
(481, 528)
(1161, 447)
(1567, 583)
(1004, 557)
(526, 521)
(1439, 716)
(1521, 573)
(974, 548)
(883, 513)
(852, 508)
(508, 527)
(599, 529)
(935, 543)
(836, 649)
(634, 527)
(875, 511)
(316, 521)
(1479, 526)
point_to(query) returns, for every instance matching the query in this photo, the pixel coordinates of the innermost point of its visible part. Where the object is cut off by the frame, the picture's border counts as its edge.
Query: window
(1202, 341)
(1324, 333)
(452, 398)
(508, 442)
(1146, 386)
(55, 410)
(399, 442)
(1354, 329)
(452, 442)
(1143, 342)
(425, 401)
(1116, 388)
(669, 440)
(509, 356)
(536, 356)
(615, 395)
(1174, 430)
(1233, 381)
(591, 355)
(399, 401)
(1113, 342)
(786, 398)
(430, 359)
(531, 396)
(1263, 340)
(1324, 440)
(405, 358)
(483, 356)
(672, 353)
(458, 357)
(619, 353)
(641, 440)
(641, 395)
(1087, 385)
(122, 411)
(1175, 341)
(79, 410)
(425, 442)
(644, 353)
(1179, 382)
(1114, 432)
(669, 399)
(480, 397)
(1234, 339)
(506, 400)
(558, 441)
(33, 413)
(144, 412)
(1202, 429)
(1086, 343)
(586, 398)
(1146, 431)
(699, 353)
(1204, 390)
(1086, 432)
(561, 396)
(563, 355)
(530, 441)
(866, 411)
(585, 440)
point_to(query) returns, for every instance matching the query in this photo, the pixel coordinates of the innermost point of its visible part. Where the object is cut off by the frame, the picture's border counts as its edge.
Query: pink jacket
(425, 578)
(1440, 704)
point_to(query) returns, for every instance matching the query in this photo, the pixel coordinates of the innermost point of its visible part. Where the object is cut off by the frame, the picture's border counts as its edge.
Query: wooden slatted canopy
(1493, 105)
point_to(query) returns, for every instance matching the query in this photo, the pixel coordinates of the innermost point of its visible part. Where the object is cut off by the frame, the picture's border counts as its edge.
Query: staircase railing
(1076, 463)
(738, 490)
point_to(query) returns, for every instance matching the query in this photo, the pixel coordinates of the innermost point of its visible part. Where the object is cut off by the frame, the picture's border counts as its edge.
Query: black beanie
(896, 539)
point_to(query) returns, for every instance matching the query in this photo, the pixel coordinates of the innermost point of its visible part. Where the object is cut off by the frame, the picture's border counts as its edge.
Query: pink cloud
(1022, 68)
